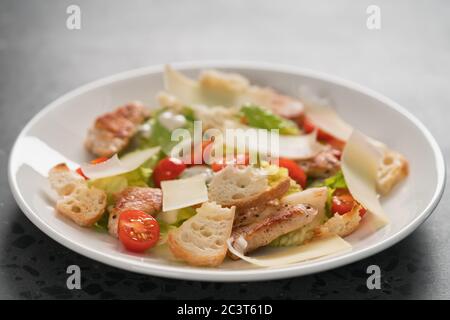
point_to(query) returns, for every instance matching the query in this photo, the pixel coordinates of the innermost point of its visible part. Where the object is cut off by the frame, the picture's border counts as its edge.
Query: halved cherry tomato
(295, 171)
(240, 159)
(167, 169)
(95, 161)
(137, 230)
(343, 202)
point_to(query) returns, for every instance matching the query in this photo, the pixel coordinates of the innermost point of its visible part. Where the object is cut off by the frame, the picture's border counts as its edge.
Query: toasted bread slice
(340, 225)
(64, 181)
(84, 206)
(201, 240)
(393, 168)
(244, 188)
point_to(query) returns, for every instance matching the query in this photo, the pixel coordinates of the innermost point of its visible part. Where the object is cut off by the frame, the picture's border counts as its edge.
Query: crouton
(64, 181)
(201, 240)
(83, 205)
(341, 225)
(393, 168)
(244, 188)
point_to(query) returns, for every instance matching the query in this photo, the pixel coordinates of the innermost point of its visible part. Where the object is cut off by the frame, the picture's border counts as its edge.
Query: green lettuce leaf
(264, 119)
(332, 183)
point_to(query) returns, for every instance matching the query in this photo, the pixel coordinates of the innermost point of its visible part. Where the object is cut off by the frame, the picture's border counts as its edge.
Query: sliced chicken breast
(148, 200)
(286, 218)
(324, 164)
(112, 131)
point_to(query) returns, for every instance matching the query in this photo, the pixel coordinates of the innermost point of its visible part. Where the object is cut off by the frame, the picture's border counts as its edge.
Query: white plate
(56, 134)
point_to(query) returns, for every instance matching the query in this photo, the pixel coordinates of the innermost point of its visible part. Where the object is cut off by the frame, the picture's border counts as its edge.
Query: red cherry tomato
(167, 169)
(343, 202)
(307, 125)
(239, 159)
(95, 161)
(137, 230)
(295, 171)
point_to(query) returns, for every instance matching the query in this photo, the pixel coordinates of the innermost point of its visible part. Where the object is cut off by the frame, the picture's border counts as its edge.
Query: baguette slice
(244, 188)
(84, 206)
(340, 225)
(64, 181)
(393, 168)
(78, 202)
(201, 241)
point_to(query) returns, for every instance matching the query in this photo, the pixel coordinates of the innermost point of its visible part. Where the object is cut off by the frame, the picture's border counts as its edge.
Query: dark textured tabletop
(408, 60)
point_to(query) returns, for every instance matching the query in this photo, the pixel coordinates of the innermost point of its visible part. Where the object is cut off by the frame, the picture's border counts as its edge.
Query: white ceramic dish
(56, 134)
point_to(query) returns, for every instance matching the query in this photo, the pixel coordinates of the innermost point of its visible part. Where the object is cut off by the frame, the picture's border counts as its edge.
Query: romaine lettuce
(261, 118)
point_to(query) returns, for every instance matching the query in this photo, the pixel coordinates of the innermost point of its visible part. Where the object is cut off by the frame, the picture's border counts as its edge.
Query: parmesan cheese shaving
(183, 193)
(299, 147)
(191, 92)
(115, 166)
(326, 118)
(272, 144)
(275, 257)
(360, 161)
(226, 89)
(183, 88)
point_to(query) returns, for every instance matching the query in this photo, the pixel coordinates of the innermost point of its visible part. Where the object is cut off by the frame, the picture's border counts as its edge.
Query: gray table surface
(408, 60)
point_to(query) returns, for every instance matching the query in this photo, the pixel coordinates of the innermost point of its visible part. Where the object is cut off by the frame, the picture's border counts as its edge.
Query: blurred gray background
(408, 60)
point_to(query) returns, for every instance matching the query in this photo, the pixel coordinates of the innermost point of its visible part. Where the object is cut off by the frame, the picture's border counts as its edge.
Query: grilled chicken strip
(112, 131)
(324, 164)
(286, 218)
(148, 200)
(252, 215)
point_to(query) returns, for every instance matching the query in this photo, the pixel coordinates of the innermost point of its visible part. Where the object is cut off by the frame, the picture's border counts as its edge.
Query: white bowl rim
(177, 272)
